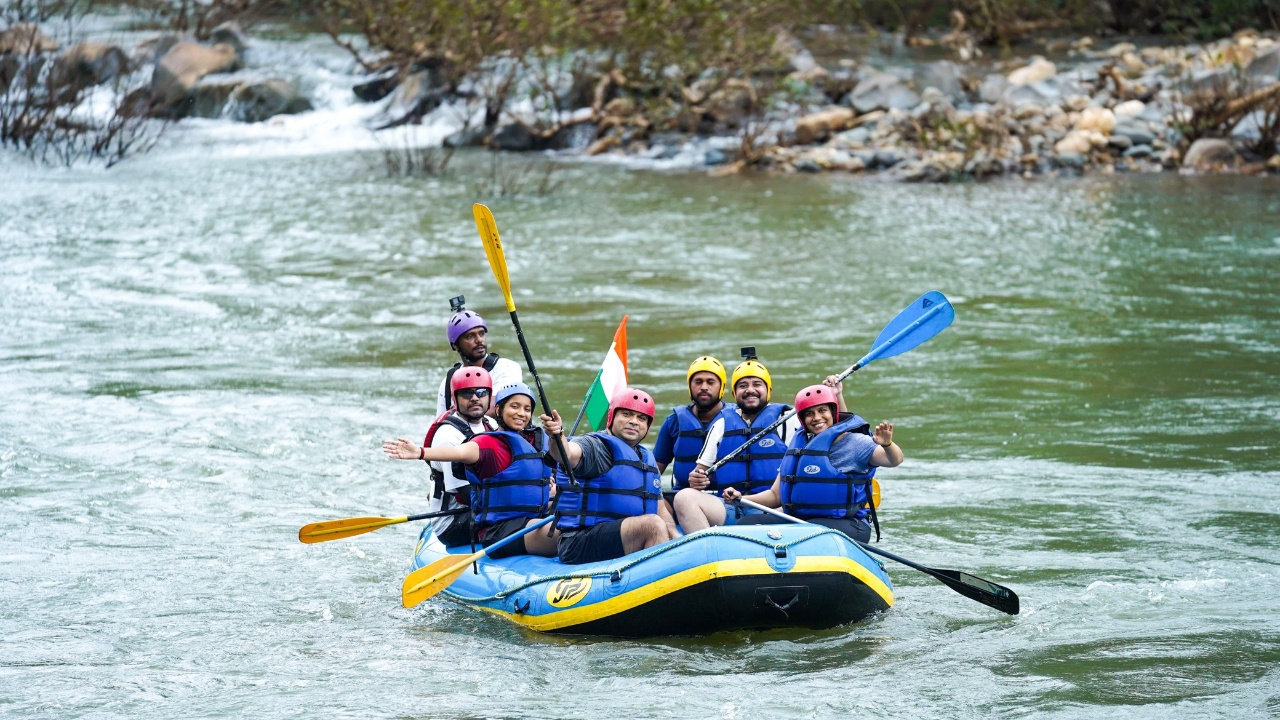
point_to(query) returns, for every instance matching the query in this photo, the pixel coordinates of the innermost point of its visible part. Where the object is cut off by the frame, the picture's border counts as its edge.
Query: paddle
(337, 529)
(927, 316)
(427, 581)
(970, 586)
(498, 261)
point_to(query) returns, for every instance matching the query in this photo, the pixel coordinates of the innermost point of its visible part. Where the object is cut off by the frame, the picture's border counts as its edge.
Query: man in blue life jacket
(826, 477)
(615, 509)
(469, 337)
(684, 432)
(751, 471)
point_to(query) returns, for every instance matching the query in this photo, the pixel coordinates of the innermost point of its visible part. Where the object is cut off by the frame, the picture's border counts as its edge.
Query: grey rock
(470, 137)
(808, 166)
(90, 63)
(868, 157)
(1120, 142)
(230, 33)
(576, 137)
(926, 172)
(1045, 92)
(1135, 134)
(882, 91)
(1072, 160)
(419, 93)
(181, 68)
(943, 75)
(993, 87)
(1265, 65)
(1205, 153)
(209, 96)
(856, 136)
(377, 86)
(512, 136)
(715, 156)
(839, 82)
(262, 99)
(1138, 151)
(154, 48)
(888, 157)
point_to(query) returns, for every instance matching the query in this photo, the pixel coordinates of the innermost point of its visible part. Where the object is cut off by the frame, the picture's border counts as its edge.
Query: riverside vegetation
(732, 86)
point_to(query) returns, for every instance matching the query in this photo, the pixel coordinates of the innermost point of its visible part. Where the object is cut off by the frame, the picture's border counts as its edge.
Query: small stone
(1072, 159)
(943, 75)
(1137, 151)
(715, 156)
(1274, 163)
(886, 158)
(882, 91)
(258, 101)
(992, 88)
(1129, 108)
(1136, 135)
(1039, 69)
(1076, 142)
(808, 166)
(1097, 119)
(855, 137)
(1209, 153)
(1119, 142)
(1119, 49)
(819, 126)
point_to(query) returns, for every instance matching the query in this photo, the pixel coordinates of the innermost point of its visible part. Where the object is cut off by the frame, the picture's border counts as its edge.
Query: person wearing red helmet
(616, 509)
(472, 394)
(826, 475)
(468, 336)
(509, 471)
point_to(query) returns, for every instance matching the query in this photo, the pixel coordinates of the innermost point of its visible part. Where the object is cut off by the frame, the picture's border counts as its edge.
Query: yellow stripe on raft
(687, 578)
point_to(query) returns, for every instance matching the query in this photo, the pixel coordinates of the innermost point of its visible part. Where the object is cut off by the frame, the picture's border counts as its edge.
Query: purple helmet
(462, 322)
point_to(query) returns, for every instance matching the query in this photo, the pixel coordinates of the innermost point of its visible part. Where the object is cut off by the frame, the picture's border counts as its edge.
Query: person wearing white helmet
(468, 336)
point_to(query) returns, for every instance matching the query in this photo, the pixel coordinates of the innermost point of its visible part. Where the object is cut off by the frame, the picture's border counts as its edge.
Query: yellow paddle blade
(875, 493)
(425, 582)
(336, 529)
(493, 249)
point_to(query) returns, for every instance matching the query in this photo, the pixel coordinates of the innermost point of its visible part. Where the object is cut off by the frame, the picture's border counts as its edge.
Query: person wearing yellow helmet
(684, 432)
(752, 470)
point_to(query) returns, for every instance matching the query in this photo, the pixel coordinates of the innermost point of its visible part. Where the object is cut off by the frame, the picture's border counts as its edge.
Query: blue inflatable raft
(724, 578)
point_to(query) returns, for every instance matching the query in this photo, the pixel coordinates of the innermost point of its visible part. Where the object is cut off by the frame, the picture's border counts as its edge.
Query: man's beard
(478, 353)
(706, 404)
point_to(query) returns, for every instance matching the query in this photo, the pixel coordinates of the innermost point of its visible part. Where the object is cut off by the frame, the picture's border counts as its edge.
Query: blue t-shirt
(851, 453)
(664, 450)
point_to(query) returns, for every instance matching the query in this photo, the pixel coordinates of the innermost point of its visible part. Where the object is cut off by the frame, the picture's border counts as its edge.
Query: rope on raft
(655, 552)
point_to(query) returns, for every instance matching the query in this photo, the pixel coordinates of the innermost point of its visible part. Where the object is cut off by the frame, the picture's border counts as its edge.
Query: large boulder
(155, 47)
(181, 68)
(420, 93)
(512, 136)
(25, 38)
(258, 100)
(1039, 69)
(90, 63)
(378, 86)
(1265, 65)
(820, 125)
(943, 75)
(229, 33)
(882, 91)
(1210, 153)
(208, 98)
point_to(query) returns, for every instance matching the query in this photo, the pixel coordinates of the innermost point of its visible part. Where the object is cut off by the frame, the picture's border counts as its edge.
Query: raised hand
(833, 382)
(884, 434)
(402, 449)
(552, 423)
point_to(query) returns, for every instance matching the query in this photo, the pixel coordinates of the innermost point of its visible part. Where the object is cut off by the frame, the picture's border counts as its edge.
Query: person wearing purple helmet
(468, 336)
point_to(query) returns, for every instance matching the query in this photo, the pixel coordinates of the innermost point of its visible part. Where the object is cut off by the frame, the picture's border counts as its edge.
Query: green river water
(203, 351)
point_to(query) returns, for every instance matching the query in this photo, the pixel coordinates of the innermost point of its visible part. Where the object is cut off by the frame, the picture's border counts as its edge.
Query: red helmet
(470, 377)
(631, 399)
(815, 395)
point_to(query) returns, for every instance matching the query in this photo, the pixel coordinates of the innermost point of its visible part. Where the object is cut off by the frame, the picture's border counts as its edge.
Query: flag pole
(585, 400)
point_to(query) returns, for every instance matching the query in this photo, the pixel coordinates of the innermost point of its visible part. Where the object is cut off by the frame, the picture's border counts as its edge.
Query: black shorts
(857, 528)
(458, 533)
(602, 541)
(503, 529)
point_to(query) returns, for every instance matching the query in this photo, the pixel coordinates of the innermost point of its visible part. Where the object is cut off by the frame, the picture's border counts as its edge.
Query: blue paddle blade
(929, 315)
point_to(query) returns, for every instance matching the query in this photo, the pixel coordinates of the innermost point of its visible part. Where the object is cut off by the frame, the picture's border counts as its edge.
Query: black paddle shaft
(442, 513)
(776, 423)
(542, 395)
(975, 588)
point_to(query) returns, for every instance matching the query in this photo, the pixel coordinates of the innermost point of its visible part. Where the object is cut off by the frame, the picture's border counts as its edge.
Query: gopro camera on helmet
(455, 303)
(749, 352)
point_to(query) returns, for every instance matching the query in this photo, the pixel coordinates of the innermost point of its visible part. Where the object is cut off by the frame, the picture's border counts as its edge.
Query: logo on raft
(568, 591)
(812, 469)
(767, 442)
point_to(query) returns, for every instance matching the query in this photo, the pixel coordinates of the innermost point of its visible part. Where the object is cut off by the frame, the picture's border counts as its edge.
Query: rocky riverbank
(1078, 106)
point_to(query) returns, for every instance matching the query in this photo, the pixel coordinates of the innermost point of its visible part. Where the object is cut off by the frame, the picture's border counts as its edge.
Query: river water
(206, 346)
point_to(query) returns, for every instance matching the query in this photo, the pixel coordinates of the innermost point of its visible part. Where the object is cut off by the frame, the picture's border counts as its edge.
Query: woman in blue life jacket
(826, 475)
(510, 474)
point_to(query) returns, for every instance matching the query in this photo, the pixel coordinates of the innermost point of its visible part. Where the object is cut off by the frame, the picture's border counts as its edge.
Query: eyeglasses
(469, 393)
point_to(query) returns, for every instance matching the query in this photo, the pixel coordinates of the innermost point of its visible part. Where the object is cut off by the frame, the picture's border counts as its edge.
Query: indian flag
(611, 379)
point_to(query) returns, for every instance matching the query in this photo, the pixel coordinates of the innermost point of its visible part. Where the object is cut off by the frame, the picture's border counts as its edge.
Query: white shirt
(715, 433)
(505, 372)
(450, 436)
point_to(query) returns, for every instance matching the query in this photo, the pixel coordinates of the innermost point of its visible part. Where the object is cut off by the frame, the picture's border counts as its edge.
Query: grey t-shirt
(596, 460)
(851, 453)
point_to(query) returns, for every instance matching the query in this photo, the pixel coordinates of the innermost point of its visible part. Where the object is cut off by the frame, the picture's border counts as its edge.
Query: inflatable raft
(723, 578)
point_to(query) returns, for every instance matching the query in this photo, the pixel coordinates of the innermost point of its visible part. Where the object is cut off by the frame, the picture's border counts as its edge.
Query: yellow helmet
(753, 368)
(706, 363)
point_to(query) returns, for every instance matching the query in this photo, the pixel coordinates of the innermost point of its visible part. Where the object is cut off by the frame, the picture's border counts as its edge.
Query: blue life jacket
(691, 437)
(630, 488)
(813, 488)
(754, 469)
(522, 490)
